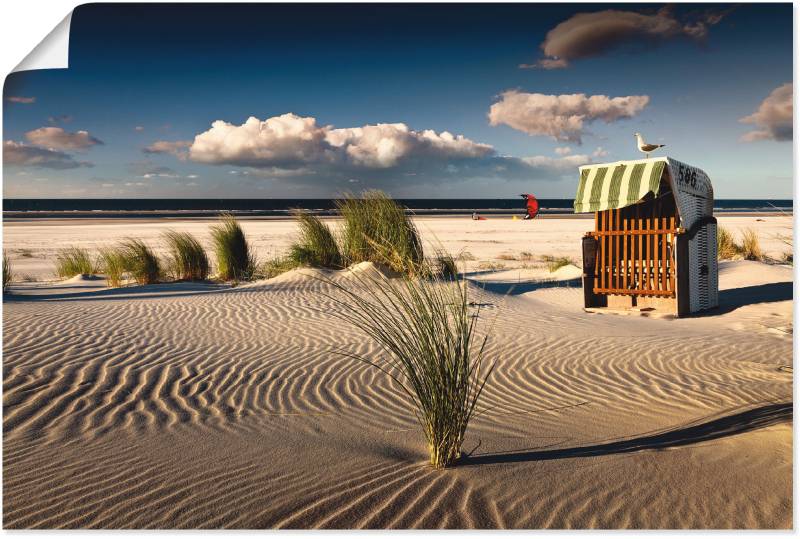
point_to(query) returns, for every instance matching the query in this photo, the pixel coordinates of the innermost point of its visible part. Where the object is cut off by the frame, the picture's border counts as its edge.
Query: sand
(202, 405)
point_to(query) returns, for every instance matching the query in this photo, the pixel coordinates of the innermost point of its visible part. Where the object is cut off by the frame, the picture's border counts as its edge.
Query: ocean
(138, 207)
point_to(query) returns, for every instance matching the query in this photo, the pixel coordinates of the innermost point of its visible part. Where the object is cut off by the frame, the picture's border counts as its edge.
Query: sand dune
(200, 405)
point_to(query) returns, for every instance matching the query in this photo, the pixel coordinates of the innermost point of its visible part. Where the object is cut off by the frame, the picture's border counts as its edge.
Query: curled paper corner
(52, 52)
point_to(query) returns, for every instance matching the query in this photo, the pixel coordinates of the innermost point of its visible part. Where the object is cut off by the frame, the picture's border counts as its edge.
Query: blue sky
(158, 76)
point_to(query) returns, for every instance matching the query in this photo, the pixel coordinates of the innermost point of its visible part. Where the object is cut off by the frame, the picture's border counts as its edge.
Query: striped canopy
(612, 186)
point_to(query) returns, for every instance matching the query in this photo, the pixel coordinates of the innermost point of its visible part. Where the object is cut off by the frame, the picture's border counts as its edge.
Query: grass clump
(726, 245)
(316, 245)
(235, 262)
(187, 260)
(427, 329)
(112, 264)
(8, 273)
(377, 229)
(140, 261)
(750, 248)
(446, 266)
(74, 261)
(275, 266)
(556, 262)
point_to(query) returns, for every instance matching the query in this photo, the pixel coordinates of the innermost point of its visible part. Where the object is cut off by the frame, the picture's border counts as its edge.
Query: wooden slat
(647, 283)
(616, 251)
(625, 257)
(635, 254)
(672, 258)
(640, 285)
(633, 292)
(603, 250)
(647, 232)
(656, 257)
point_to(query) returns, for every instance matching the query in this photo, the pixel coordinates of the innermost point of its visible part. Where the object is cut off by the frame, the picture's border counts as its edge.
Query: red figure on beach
(532, 204)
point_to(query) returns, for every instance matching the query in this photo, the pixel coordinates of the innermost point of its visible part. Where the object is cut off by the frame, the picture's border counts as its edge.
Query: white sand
(32, 245)
(201, 405)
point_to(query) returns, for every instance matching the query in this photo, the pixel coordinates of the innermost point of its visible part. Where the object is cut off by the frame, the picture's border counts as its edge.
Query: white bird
(645, 147)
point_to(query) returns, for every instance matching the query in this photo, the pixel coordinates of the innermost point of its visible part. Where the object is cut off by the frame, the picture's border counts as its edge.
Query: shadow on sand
(733, 298)
(749, 420)
(72, 292)
(513, 288)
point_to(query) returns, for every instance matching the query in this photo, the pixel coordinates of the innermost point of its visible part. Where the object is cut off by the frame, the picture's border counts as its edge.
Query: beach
(207, 405)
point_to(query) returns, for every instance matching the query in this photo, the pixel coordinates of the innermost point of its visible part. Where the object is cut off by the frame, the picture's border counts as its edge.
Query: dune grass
(446, 266)
(555, 262)
(140, 261)
(235, 262)
(275, 266)
(112, 264)
(750, 248)
(377, 229)
(187, 260)
(8, 273)
(316, 245)
(427, 331)
(726, 245)
(73, 261)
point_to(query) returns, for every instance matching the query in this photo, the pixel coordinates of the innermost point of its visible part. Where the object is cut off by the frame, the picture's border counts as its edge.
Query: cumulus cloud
(21, 99)
(178, 148)
(773, 118)
(563, 150)
(561, 117)
(21, 154)
(290, 141)
(295, 149)
(58, 139)
(591, 34)
(559, 164)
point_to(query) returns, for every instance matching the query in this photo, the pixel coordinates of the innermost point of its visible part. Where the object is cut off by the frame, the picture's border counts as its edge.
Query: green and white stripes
(615, 185)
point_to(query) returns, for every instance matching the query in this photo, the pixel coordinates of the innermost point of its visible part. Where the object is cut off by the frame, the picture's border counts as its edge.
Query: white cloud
(600, 152)
(58, 139)
(298, 151)
(138, 128)
(290, 141)
(559, 164)
(178, 148)
(591, 34)
(21, 154)
(773, 118)
(561, 117)
(563, 150)
(21, 99)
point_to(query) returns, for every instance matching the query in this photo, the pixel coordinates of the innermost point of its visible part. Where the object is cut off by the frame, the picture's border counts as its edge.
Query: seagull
(645, 147)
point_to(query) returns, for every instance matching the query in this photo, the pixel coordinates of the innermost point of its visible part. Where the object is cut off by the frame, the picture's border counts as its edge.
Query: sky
(420, 100)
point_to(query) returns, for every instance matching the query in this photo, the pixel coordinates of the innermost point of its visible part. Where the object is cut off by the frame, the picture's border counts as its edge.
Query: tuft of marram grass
(750, 247)
(556, 262)
(316, 245)
(235, 262)
(273, 267)
(187, 260)
(112, 264)
(140, 261)
(726, 245)
(74, 261)
(377, 229)
(8, 273)
(446, 266)
(427, 329)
